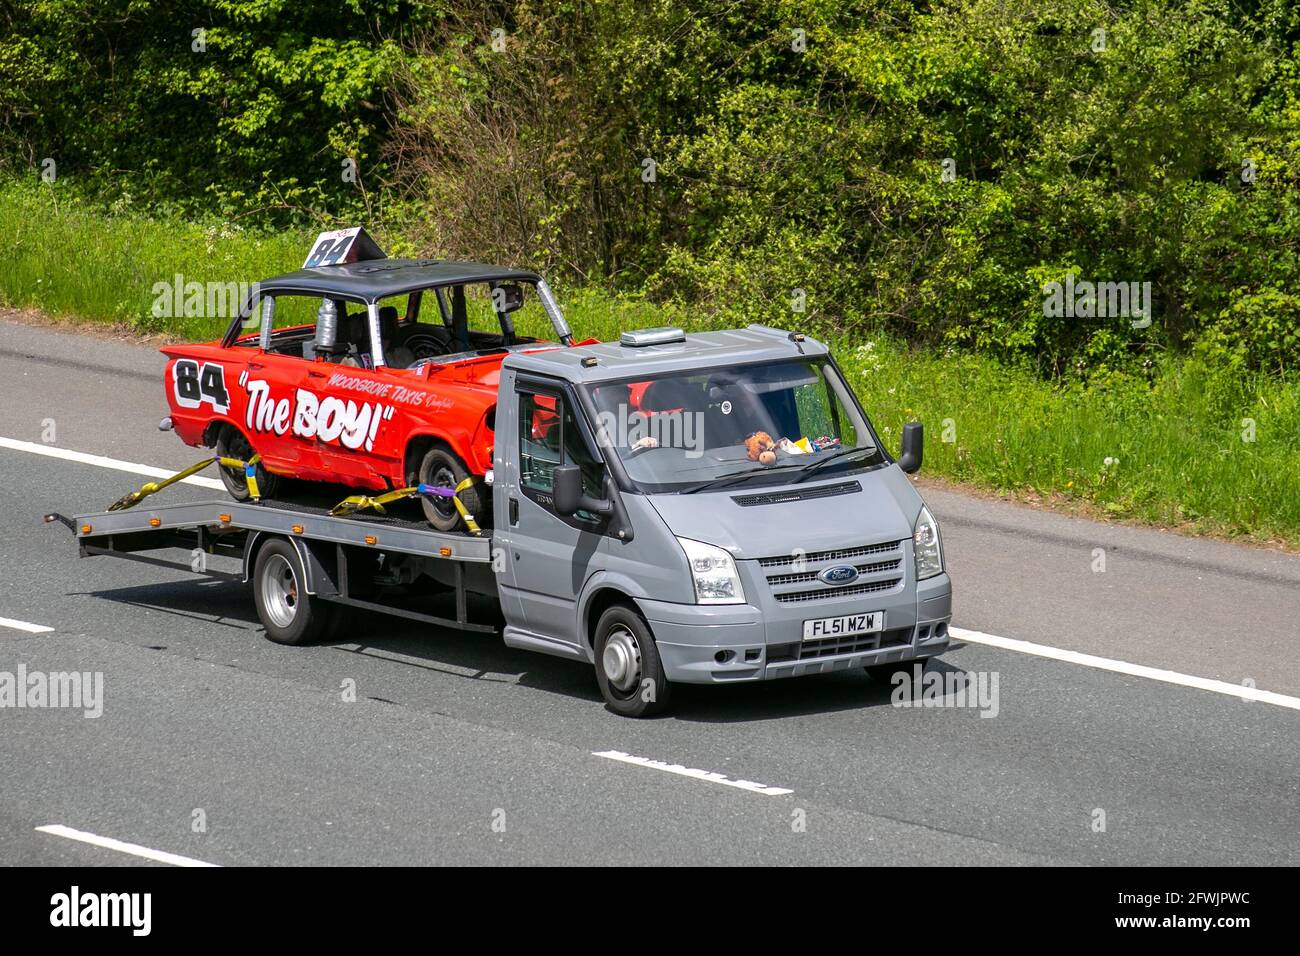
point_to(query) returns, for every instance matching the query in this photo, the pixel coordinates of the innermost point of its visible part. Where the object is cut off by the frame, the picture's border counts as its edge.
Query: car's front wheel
(231, 443)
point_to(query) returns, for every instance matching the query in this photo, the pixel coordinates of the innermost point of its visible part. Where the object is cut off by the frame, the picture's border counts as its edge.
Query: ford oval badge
(840, 574)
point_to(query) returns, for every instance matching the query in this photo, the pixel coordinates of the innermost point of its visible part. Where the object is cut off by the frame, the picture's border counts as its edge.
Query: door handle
(314, 374)
(256, 365)
(514, 511)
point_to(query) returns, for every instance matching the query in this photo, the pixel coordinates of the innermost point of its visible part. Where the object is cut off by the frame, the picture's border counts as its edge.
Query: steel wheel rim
(442, 477)
(279, 591)
(621, 660)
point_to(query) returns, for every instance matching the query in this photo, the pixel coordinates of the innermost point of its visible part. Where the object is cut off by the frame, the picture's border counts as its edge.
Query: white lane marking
(57, 829)
(24, 626)
(709, 775)
(100, 461)
(1124, 667)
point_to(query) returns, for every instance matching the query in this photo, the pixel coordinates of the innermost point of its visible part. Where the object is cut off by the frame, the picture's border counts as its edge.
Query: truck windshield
(757, 424)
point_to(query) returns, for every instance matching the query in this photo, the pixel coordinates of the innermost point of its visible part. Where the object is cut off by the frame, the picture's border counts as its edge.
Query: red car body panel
(322, 421)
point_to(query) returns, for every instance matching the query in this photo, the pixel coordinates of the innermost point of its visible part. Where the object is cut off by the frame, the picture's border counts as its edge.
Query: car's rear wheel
(442, 469)
(231, 443)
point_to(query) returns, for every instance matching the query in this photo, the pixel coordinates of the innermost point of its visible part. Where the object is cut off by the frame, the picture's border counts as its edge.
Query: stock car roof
(380, 278)
(696, 351)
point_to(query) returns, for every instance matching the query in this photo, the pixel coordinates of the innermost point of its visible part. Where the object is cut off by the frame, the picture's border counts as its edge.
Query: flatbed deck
(337, 555)
(291, 519)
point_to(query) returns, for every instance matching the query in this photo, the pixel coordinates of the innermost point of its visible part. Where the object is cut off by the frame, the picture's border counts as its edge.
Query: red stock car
(373, 395)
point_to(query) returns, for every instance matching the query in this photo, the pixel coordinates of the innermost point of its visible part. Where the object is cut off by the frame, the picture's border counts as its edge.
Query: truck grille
(783, 579)
(826, 593)
(884, 574)
(821, 557)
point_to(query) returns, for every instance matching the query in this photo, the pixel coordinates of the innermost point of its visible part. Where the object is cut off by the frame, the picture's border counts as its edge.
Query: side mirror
(913, 447)
(569, 497)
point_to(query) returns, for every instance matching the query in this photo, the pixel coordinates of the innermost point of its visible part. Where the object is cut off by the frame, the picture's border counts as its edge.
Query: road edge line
(1124, 667)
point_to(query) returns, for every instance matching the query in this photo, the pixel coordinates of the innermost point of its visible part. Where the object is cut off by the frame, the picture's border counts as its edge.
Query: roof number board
(340, 246)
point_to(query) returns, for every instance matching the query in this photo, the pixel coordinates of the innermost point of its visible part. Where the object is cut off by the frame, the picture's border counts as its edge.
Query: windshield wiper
(807, 471)
(802, 471)
(732, 478)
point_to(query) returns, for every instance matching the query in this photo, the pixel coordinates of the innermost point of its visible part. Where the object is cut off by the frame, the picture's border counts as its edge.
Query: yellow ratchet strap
(355, 503)
(375, 503)
(153, 487)
(250, 473)
(465, 516)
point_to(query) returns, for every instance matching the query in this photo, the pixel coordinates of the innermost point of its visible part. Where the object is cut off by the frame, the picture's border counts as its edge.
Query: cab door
(549, 557)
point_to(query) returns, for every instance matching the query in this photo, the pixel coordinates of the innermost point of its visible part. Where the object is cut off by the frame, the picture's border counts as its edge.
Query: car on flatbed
(390, 386)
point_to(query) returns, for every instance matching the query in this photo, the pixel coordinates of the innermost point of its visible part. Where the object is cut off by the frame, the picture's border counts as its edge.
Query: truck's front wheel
(286, 610)
(628, 668)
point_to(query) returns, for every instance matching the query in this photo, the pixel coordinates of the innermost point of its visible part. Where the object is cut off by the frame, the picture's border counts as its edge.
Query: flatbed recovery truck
(670, 508)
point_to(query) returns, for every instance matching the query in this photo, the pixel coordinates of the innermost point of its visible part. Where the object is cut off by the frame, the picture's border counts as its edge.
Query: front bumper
(701, 644)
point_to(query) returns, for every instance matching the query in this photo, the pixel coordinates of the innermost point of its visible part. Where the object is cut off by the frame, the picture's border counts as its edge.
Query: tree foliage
(226, 105)
(926, 168)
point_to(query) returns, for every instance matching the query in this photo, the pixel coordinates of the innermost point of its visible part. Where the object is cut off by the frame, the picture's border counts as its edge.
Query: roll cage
(368, 283)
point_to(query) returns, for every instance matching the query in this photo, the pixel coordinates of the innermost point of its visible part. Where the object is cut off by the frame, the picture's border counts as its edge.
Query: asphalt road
(459, 750)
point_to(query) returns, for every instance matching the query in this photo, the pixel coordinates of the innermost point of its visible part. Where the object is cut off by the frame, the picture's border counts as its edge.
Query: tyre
(884, 673)
(628, 668)
(441, 468)
(289, 614)
(231, 443)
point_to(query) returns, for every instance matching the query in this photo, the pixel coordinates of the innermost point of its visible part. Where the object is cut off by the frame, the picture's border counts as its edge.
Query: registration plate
(844, 626)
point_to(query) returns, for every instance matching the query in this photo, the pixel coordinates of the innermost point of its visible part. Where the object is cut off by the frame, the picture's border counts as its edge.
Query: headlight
(714, 573)
(926, 546)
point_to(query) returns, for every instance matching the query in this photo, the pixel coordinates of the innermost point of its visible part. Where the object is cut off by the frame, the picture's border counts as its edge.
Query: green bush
(230, 106)
(924, 169)
(1258, 330)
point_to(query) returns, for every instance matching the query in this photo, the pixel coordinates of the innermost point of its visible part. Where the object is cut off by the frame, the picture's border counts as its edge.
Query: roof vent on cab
(641, 338)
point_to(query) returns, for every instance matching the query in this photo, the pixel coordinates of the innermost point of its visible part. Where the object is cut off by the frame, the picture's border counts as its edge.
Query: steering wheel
(425, 341)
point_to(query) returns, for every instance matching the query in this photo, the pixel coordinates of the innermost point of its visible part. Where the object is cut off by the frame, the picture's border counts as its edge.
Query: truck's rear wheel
(231, 443)
(286, 610)
(440, 468)
(628, 668)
